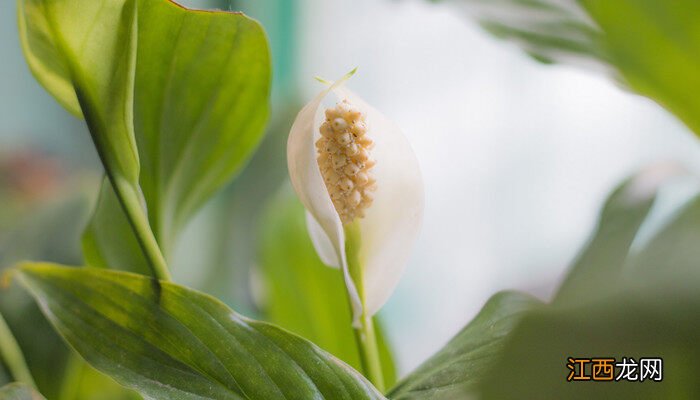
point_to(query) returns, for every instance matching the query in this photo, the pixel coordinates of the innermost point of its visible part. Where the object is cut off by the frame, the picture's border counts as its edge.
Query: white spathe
(391, 224)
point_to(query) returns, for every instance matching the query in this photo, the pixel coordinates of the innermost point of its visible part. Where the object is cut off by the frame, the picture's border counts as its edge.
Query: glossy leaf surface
(169, 342)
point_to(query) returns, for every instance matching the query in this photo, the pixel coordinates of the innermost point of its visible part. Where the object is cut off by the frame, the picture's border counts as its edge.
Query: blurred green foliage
(18, 391)
(619, 301)
(651, 46)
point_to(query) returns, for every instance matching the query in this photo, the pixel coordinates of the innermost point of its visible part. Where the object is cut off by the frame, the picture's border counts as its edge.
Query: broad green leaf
(19, 391)
(201, 103)
(175, 99)
(302, 294)
(457, 368)
(652, 46)
(617, 302)
(170, 342)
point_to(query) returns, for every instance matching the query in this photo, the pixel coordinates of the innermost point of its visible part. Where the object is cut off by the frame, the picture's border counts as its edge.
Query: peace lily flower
(360, 183)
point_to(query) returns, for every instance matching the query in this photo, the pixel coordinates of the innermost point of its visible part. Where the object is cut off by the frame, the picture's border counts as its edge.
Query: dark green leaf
(170, 342)
(651, 321)
(302, 294)
(617, 302)
(455, 370)
(19, 391)
(653, 46)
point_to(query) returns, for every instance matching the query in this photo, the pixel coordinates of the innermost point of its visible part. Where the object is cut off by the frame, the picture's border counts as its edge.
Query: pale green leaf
(43, 55)
(170, 342)
(91, 45)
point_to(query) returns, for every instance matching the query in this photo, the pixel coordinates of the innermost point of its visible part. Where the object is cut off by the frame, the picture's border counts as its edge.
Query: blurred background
(517, 157)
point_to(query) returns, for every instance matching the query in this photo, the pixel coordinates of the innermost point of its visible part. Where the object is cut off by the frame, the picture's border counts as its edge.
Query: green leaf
(620, 302)
(43, 54)
(91, 47)
(302, 294)
(652, 46)
(19, 391)
(82, 382)
(108, 240)
(176, 101)
(201, 103)
(170, 342)
(457, 368)
(599, 265)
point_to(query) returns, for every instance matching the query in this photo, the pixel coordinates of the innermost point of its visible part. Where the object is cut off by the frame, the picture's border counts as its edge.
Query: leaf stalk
(131, 203)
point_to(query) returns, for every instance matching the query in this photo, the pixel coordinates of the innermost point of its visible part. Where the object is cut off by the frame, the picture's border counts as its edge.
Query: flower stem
(12, 355)
(138, 220)
(364, 333)
(369, 352)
